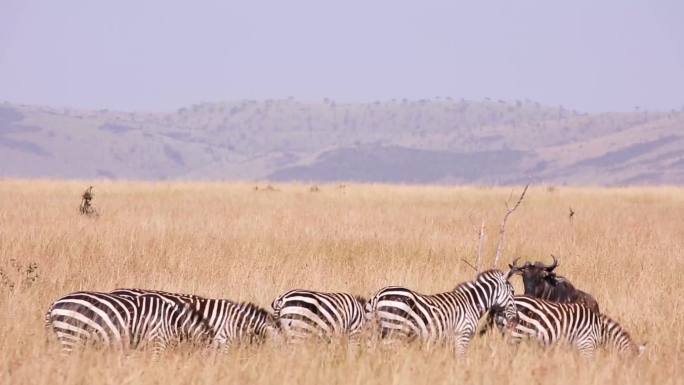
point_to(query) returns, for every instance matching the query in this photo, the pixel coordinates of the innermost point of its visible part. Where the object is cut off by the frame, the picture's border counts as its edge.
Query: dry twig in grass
(478, 256)
(267, 188)
(470, 265)
(502, 229)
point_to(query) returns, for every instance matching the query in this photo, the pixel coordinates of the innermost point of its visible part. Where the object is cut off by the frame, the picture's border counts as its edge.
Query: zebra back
(133, 292)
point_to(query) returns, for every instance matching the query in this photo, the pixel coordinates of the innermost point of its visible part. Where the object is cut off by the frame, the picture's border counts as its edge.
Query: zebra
(304, 313)
(550, 322)
(451, 316)
(232, 323)
(105, 319)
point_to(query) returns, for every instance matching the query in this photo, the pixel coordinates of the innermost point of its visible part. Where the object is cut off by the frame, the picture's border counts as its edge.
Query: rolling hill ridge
(401, 141)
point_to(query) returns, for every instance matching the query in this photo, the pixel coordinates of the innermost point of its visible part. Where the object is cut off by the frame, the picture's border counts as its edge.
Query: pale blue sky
(160, 55)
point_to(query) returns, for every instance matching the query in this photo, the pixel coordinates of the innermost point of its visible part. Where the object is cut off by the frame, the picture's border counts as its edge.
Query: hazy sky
(160, 55)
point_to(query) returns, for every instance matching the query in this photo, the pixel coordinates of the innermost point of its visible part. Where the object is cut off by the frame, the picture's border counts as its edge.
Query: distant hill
(399, 141)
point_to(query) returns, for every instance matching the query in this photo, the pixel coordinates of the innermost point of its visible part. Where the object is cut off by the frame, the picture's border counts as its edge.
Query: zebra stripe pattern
(304, 313)
(232, 323)
(550, 322)
(451, 316)
(104, 319)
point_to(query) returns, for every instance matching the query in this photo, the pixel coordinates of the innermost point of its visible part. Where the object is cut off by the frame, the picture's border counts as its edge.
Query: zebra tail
(277, 305)
(369, 309)
(48, 318)
(48, 324)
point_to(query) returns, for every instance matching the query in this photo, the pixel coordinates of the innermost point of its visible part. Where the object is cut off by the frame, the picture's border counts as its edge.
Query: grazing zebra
(550, 322)
(232, 323)
(305, 313)
(440, 317)
(109, 320)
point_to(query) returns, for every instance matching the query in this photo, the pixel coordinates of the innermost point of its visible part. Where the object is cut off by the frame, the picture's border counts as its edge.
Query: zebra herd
(134, 318)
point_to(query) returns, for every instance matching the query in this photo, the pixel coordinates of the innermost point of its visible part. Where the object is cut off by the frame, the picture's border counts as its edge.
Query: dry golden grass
(227, 240)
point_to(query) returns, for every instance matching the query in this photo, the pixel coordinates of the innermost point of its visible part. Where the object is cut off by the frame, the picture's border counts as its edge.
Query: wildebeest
(541, 281)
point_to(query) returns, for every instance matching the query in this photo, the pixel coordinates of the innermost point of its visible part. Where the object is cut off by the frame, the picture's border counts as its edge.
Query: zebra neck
(213, 312)
(476, 295)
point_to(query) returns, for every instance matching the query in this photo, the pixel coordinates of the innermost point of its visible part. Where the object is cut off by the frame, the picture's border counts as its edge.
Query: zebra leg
(71, 337)
(393, 336)
(586, 349)
(587, 353)
(159, 345)
(225, 349)
(488, 325)
(354, 339)
(68, 342)
(462, 341)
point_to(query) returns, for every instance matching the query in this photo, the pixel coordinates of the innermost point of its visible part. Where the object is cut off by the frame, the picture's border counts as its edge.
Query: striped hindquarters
(552, 322)
(109, 320)
(305, 313)
(402, 312)
(90, 317)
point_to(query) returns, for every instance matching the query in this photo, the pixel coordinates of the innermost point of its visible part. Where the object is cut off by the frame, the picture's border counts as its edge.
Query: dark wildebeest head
(541, 281)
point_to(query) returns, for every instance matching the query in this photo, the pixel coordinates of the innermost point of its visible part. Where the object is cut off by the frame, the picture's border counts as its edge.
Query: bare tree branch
(502, 229)
(468, 263)
(478, 261)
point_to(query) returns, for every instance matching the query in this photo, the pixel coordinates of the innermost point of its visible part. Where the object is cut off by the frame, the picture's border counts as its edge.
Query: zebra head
(264, 326)
(500, 293)
(177, 321)
(269, 330)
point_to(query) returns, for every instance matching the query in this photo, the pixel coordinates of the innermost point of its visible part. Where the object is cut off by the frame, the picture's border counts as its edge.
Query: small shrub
(86, 207)
(18, 275)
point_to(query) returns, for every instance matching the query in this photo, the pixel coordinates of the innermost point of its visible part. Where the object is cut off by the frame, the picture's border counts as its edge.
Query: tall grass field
(230, 240)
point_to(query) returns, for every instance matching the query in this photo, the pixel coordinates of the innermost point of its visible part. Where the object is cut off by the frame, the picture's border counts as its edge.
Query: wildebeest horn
(553, 265)
(514, 268)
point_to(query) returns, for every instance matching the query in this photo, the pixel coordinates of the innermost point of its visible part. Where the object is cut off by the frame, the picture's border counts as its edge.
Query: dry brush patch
(227, 240)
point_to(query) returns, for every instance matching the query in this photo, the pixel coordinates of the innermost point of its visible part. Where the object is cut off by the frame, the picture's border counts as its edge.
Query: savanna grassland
(625, 246)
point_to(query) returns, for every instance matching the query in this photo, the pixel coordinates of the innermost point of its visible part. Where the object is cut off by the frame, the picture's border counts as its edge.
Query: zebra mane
(489, 272)
(361, 300)
(256, 309)
(477, 278)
